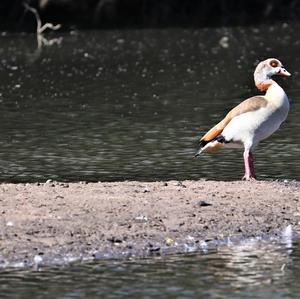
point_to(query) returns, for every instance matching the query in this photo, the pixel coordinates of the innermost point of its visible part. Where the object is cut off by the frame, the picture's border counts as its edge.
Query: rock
(203, 203)
(141, 218)
(169, 241)
(154, 249)
(179, 184)
(114, 240)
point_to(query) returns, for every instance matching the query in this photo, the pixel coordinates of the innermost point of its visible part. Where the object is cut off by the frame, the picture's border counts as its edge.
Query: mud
(56, 223)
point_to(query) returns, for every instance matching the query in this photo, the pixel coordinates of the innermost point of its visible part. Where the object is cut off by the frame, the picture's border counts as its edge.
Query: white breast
(252, 127)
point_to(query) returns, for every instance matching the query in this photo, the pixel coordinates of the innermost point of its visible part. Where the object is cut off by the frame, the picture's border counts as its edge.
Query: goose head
(265, 70)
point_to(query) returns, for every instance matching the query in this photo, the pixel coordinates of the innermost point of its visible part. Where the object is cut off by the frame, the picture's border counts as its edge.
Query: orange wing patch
(248, 105)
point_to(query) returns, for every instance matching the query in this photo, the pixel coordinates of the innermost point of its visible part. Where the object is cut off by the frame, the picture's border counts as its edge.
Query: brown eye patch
(274, 63)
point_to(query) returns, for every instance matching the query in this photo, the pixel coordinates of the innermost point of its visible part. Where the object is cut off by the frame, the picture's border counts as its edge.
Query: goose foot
(249, 178)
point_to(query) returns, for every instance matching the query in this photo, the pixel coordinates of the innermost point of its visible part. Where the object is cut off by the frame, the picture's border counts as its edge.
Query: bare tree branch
(49, 26)
(36, 14)
(41, 40)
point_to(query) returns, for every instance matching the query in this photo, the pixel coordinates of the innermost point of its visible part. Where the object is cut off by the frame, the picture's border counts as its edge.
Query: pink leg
(249, 167)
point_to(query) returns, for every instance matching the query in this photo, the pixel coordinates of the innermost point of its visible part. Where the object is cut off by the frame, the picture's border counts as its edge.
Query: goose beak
(283, 72)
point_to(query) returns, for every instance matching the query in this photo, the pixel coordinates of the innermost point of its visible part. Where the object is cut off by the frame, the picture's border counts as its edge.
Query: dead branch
(37, 16)
(41, 40)
(49, 26)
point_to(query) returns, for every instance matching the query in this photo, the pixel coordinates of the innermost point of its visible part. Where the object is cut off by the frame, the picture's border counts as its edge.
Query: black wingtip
(201, 144)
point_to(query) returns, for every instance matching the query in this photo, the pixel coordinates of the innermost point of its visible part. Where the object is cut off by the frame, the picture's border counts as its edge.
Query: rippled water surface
(264, 269)
(115, 105)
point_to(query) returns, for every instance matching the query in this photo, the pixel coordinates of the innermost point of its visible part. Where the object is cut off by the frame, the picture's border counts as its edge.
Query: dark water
(115, 105)
(253, 269)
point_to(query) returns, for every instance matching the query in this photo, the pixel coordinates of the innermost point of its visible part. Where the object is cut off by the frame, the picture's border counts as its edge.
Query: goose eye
(274, 63)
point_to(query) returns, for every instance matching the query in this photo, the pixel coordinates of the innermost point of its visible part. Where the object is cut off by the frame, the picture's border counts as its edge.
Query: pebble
(169, 241)
(203, 203)
(179, 184)
(141, 218)
(154, 248)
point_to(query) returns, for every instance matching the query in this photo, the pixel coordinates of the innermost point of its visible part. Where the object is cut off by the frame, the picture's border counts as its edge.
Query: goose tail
(210, 146)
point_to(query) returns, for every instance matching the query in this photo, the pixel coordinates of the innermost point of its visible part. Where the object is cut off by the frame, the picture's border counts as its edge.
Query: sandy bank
(43, 221)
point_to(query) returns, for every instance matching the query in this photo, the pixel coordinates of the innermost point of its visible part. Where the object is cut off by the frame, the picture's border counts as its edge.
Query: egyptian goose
(252, 120)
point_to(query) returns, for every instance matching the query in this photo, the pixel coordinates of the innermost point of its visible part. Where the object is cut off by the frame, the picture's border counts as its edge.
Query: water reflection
(111, 105)
(252, 264)
(253, 269)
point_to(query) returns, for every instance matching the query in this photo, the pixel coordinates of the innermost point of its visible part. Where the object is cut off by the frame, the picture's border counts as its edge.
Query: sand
(55, 222)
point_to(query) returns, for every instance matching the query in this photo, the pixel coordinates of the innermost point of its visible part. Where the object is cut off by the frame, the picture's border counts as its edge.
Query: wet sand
(59, 222)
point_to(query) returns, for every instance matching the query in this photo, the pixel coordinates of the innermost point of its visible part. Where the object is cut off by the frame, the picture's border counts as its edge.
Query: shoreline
(57, 223)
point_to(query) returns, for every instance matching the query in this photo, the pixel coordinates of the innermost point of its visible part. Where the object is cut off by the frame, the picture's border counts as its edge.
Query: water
(252, 269)
(117, 105)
